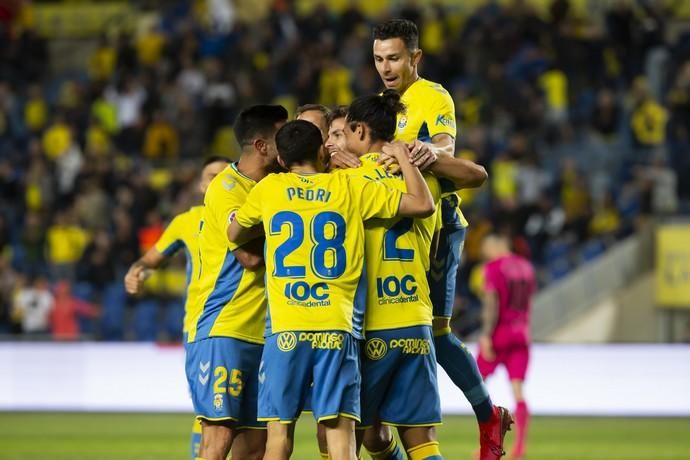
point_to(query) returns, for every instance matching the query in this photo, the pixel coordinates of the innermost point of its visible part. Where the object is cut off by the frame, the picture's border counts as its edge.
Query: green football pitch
(165, 436)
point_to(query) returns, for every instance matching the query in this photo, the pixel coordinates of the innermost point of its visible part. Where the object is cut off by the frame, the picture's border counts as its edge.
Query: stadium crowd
(583, 123)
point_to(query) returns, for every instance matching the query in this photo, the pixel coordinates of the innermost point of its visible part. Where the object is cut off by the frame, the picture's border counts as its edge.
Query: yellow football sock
(426, 450)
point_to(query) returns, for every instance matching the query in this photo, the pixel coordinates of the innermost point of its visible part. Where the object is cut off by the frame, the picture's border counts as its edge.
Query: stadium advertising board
(673, 266)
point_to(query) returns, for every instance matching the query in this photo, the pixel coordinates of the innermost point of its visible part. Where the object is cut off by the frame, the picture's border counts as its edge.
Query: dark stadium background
(579, 110)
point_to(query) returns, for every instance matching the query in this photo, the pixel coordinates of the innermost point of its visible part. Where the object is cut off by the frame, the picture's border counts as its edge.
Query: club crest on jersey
(402, 123)
(376, 349)
(218, 402)
(287, 341)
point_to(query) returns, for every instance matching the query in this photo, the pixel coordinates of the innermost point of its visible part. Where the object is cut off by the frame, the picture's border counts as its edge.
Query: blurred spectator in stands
(96, 266)
(648, 123)
(30, 55)
(554, 83)
(504, 170)
(35, 109)
(67, 310)
(150, 46)
(605, 221)
(544, 223)
(335, 84)
(66, 242)
(91, 205)
(33, 305)
(125, 246)
(126, 54)
(679, 97)
(8, 280)
(104, 112)
(33, 242)
(161, 139)
(10, 189)
(57, 139)
(575, 199)
(103, 61)
(98, 141)
(659, 187)
(218, 98)
(606, 118)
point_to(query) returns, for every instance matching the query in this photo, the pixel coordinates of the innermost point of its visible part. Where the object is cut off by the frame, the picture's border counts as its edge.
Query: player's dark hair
(258, 120)
(338, 112)
(325, 111)
(378, 112)
(298, 142)
(213, 159)
(398, 28)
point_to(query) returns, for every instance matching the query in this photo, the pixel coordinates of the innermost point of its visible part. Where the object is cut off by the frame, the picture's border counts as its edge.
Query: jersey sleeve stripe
(223, 291)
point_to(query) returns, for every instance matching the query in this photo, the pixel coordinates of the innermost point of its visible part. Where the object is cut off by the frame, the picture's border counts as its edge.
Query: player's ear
(260, 146)
(362, 131)
(416, 56)
(281, 162)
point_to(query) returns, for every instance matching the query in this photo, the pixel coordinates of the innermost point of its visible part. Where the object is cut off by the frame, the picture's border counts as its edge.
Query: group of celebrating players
(322, 277)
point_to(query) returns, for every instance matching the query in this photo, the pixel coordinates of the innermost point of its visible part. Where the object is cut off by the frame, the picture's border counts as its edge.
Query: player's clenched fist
(135, 278)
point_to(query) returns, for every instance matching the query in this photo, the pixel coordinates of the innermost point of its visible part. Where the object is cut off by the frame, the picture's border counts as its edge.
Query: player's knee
(377, 438)
(426, 451)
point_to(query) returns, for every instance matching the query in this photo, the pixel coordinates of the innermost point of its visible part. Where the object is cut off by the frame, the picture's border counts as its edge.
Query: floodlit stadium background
(579, 110)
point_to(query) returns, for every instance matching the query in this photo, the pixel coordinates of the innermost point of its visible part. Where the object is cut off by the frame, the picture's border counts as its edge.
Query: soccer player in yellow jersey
(181, 233)
(398, 364)
(429, 123)
(314, 225)
(227, 320)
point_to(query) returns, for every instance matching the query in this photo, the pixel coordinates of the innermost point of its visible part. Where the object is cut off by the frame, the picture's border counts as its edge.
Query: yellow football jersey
(430, 111)
(230, 301)
(397, 257)
(183, 233)
(315, 247)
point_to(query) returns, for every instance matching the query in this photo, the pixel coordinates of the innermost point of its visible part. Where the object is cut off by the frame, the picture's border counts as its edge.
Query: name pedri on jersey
(315, 247)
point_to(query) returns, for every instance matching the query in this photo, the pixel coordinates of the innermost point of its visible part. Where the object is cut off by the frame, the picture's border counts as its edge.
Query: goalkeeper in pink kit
(509, 286)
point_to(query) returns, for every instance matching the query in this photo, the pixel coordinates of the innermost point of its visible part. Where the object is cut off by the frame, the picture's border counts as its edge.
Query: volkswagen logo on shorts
(287, 341)
(376, 349)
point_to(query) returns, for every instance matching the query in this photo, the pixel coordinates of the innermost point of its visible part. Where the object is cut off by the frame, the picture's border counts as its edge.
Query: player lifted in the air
(181, 233)
(429, 125)
(226, 322)
(314, 225)
(509, 285)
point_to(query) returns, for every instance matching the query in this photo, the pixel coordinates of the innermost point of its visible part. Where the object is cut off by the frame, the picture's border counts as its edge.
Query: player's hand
(394, 153)
(135, 278)
(421, 155)
(343, 160)
(486, 348)
(389, 162)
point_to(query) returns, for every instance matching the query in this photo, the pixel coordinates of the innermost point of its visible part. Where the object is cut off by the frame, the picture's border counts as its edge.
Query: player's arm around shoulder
(245, 232)
(463, 173)
(418, 201)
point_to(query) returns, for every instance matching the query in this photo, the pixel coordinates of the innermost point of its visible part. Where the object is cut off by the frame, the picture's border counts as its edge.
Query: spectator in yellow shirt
(35, 110)
(103, 61)
(66, 242)
(161, 139)
(57, 139)
(606, 221)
